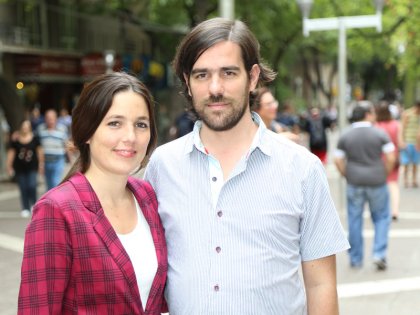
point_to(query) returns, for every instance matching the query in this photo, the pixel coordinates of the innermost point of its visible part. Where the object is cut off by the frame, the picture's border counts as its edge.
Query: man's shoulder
(174, 147)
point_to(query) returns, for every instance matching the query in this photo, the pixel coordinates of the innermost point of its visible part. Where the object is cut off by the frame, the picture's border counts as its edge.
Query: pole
(342, 75)
(227, 9)
(342, 87)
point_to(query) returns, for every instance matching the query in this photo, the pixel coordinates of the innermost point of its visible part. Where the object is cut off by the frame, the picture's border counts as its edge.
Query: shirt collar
(257, 142)
(359, 124)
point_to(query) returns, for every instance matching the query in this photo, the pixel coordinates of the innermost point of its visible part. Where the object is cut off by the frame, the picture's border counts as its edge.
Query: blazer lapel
(105, 231)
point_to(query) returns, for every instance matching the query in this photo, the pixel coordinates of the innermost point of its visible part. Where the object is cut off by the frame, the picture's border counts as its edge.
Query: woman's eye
(142, 125)
(114, 123)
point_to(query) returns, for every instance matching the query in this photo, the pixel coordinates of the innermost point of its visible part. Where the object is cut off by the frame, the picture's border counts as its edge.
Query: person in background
(184, 123)
(358, 158)
(244, 209)
(265, 105)
(64, 118)
(409, 155)
(316, 126)
(392, 127)
(36, 118)
(288, 118)
(54, 138)
(95, 244)
(25, 160)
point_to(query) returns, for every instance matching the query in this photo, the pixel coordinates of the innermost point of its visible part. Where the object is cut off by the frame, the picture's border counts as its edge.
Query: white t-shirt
(140, 248)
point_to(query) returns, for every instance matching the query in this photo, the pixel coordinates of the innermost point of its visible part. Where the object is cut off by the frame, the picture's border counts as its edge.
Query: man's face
(219, 86)
(50, 119)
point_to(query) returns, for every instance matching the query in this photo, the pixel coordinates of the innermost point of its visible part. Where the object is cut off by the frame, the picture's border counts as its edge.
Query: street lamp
(109, 56)
(341, 24)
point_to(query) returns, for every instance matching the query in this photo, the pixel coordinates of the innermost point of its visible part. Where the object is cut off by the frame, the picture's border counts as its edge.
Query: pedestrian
(95, 244)
(25, 160)
(265, 105)
(409, 155)
(243, 208)
(316, 125)
(358, 158)
(53, 137)
(391, 126)
(184, 124)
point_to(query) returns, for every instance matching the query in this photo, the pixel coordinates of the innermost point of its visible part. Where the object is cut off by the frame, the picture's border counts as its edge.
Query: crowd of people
(229, 216)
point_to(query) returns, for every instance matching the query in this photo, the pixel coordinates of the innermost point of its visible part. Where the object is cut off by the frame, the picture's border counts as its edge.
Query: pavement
(395, 291)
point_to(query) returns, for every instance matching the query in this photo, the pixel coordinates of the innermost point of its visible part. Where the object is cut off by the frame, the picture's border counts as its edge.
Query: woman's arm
(46, 264)
(11, 153)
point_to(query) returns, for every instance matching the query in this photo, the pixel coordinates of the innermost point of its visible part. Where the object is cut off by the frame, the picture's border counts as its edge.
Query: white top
(235, 246)
(140, 248)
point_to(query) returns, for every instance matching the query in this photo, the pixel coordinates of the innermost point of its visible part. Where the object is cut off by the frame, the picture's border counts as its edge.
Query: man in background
(359, 159)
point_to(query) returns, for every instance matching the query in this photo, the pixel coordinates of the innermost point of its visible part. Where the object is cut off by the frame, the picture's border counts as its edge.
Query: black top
(26, 158)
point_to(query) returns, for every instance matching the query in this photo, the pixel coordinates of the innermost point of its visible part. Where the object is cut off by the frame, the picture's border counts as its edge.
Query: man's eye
(229, 73)
(200, 75)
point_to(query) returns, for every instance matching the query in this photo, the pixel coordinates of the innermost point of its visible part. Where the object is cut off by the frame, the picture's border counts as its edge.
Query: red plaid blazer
(73, 261)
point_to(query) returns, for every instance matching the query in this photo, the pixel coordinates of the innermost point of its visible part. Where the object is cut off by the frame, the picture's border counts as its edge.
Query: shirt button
(218, 249)
(214, 179)
(219, 213)
(216, 287)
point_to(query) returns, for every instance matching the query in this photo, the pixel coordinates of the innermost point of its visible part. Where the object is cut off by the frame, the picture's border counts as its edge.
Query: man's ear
(187, 83)
(254, 76)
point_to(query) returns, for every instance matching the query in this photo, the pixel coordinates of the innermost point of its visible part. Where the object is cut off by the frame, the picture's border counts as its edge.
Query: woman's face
(120, 143)
(268, 107)
(26, 126)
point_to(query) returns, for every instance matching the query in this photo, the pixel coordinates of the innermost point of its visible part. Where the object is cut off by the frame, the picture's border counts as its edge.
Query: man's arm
(321, 286)
(340, 163)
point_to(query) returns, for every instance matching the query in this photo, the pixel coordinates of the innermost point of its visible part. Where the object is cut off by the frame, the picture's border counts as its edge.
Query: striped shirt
(236, 247)
(53, 141)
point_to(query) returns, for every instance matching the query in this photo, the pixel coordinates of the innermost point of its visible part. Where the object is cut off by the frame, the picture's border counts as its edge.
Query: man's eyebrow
(227, 68)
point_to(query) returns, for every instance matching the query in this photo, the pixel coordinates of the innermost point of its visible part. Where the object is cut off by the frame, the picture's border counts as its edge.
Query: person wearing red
(95, 244)
(392, 127)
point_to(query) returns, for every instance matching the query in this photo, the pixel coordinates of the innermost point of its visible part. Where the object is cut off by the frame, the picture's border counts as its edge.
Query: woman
(25, 159)
(392, 127)
(265, 105)
(95, 244)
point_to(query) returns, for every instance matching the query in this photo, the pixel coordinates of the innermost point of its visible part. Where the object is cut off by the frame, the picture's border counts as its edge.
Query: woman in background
(392, 127)
(95, 244)
(25, 159)
(265, 105)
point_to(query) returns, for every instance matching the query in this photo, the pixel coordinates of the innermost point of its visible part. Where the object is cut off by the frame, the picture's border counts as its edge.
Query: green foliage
(278, 26)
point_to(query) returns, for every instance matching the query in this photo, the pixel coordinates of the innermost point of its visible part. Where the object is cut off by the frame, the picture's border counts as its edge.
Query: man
(243, 208)
(409, 154)
(359, 159)
(53, 137)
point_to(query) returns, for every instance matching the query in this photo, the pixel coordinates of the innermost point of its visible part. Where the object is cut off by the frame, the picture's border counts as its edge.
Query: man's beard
(226, 119)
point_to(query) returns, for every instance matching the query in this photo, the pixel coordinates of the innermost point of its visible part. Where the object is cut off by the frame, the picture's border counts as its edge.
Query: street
(395, 291)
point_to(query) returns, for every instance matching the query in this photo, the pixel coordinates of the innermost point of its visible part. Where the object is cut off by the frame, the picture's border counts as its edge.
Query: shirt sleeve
(322, 234)
(46, 264)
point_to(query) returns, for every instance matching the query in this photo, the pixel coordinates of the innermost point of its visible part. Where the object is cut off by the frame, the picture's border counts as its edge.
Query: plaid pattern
(73, 261)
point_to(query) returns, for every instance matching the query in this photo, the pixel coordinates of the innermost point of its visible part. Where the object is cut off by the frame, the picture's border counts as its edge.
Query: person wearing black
(25, 159)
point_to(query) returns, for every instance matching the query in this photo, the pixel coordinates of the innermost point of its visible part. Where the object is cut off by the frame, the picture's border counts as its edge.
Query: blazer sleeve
(46, 264)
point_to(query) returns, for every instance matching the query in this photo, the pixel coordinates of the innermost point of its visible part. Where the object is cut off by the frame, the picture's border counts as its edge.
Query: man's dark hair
(359, 113)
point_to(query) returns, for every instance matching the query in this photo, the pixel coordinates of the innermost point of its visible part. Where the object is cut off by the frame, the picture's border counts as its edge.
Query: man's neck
(229, 146)
(239, 136)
